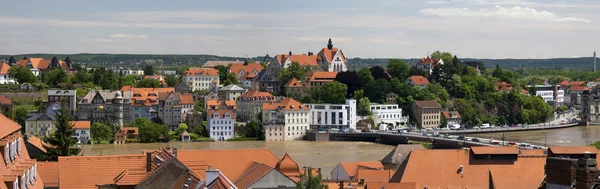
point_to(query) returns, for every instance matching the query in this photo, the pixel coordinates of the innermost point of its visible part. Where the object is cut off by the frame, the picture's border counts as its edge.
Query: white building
(201, 78)
(386, 113)
(287, 119)
(4, 75)
(230, 92)
(82, 131)
(341, 116)
(126, 72)
(332, 59)
(220, 124)
(552, 94)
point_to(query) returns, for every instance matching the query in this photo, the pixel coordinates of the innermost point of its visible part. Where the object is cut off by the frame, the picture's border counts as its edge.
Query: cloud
(436, 2)
(522, 13)
(101, 40)
(530, 3)
(104, 24)
(128, 36)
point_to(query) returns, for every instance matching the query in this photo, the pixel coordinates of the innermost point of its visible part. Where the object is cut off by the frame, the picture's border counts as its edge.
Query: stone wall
(560, 171)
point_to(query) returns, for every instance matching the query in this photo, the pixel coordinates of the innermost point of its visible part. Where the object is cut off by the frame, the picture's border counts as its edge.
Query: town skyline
(381, 29)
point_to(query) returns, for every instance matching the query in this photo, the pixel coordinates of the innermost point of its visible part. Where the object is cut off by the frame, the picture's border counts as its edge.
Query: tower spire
(330, 44)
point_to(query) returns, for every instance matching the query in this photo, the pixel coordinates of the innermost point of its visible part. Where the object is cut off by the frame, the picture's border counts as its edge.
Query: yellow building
(39, 124)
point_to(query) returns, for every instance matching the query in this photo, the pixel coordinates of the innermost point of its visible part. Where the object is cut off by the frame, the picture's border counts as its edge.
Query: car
(494, 142)
(475, 140)
(364, 131)
(436, 135)
(447, 136)
(520, 125)
(460, 138)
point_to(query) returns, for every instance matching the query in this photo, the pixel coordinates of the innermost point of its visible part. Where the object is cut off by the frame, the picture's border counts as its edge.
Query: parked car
(447, 136)
(460, 138)
(475, 140)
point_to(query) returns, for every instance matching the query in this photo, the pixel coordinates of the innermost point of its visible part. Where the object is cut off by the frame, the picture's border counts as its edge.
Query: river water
(325, 155)
(572, 136)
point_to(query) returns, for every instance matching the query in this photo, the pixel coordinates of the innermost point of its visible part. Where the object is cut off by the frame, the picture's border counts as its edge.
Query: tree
(253, 129)
(596, 144)
(310, 181)
(60, 141)
(199, 106)
(398, 69)
(100, 132)
(230, 79)
(264, 64)
(149, 131)
(149, 70)
(532, 90)
(128, 80)
(363, 107)
(466, 111)
(445, 56)
(351, 79)
(379, 73)
(173, 80)
(82, 77)
(22, 74)
(148, 83)
(497, 72)
(332, 92)
(294, 71)
(223, 71)
(365, 77)
(359, 94)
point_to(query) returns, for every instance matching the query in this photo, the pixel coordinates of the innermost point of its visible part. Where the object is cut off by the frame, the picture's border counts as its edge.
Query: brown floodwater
(325, 155)
(572, 136)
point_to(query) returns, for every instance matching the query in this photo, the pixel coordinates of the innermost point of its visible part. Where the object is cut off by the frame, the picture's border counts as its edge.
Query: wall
(560, 171)
(314, 136)
(338, 173)
(274, 179)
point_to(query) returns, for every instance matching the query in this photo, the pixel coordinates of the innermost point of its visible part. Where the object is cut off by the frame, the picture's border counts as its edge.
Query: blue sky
(374, 28)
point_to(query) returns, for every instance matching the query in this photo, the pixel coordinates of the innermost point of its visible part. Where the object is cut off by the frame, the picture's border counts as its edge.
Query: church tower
(118, 101)
(330, 44)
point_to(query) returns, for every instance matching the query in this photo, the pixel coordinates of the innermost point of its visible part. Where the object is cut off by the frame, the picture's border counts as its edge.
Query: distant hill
(107, 60)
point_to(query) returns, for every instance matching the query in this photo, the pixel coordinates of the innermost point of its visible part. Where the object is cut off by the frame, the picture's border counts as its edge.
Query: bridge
(509, 129)
(403, 138)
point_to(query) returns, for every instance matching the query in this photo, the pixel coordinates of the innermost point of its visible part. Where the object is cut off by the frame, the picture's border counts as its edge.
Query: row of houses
(35, 65)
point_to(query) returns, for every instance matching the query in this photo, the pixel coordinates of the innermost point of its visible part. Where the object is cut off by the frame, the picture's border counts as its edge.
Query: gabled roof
(236, 68)
(294, 83)
(252, 174)
(221, 182)
(218, 103)
(378, 185)
(323, 76)
(232, 163)
(285, 104)
(400, 153)
(4, 67)
(375, 175)
(8, 126)
(231, 87)
(134, 129)
(37, 143)
(427, 104)
(305, 60)
(418, 80)
(352, 167)
(579, 88)
(221, 114)
(40, 116)
(81, 124)
(329, 54)
(5, 100)
(202, 71)
(48, 172)
(86, 172)
(187, 99)
(255, 93)
(432, 61)
(571, 83)
(451, 114)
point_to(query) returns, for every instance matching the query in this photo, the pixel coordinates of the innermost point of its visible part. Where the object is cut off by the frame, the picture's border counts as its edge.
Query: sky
(368, 29)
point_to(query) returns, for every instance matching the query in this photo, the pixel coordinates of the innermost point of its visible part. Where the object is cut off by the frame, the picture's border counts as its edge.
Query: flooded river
(316, 154)
(572, 136)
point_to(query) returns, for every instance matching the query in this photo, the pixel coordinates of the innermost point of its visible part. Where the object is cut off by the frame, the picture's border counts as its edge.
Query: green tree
(358, 94)
(332, 92)
(365, 77)
(596, 144)
(82, 77)
(445, 56)
(230, 79)
(199, 106)
(60, 141)
(128, 80)
(253, 129)
(466, 111)
(22, 74)
(173, 80)
(20, 114)
(149, 70)
(150, 132)
(398, 69)
(264, 64)
(294, 71)
(363, 107)
(55, 77)
(310, 181)
(148, 83)
(497, 72)
(100, 132)
(223, 71)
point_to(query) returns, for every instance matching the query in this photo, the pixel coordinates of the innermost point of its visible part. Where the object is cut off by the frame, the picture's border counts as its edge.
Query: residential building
(267, 80)
(212, 64)
(427, 64)
(250, 104)
(172, 107)
(417, 80)
(248, 79)
(332, 59)
(452, 117)
(64, 97)
(36, 147)
(591, 105)
(347, 171)
(340, 116)
(477, 167)
(230, 92)
(387, 114)
(220, 124)
(552, 94)
(201, 78)
(18, 171)
(241, 70)
(38, 65)
(573, 96)
(303, 60)
(287, 119)
(82, 131)
(126, 72)
(185, 136)
(220, 105)
(126, 133)
(39, 124)
(320, 78)
(294, 88)
(6, 105)
(427, 113)
(5, 77)
(105, 106)
(145, 101)
(168, 72)
(391, 98)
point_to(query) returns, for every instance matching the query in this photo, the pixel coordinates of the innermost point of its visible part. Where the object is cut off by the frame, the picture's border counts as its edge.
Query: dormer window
(215, 115)
(226, 115)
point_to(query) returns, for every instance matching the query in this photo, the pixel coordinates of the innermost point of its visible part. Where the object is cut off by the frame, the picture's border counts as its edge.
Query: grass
(203, 139)
(427, 145)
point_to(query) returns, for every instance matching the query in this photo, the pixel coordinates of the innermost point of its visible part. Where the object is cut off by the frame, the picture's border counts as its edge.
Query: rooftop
(427, 104)
(418, 80)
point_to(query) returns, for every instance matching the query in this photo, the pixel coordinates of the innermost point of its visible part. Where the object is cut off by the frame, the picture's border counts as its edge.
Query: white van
(486, 126)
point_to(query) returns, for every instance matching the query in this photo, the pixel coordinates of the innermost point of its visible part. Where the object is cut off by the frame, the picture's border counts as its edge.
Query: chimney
(148, 161)
(586, 173)
(175, 151)
(361, 182)
(341, 184)
(560, 172)
(211, 174)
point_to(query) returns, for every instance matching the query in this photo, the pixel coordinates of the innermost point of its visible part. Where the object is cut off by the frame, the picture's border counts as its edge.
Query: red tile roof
(503, 86)
(48, 172)
(236, 68)
(432, 61)
(418, 80)
(4, 67)
(202, 71)
(451, 114)
(329, 54)
(294, 83)
(571, 83)
(187, 99)
(254, 172)
(5, 100)
(8, 126)
(375, 175)
(579, 88)
(255, 93)
(221, 113)
(303, 60)
(87, 172)
(37, 142)
(380, 185)
(427, 104)
(478, 150)
(288, 167)
(134, 129)
(285, 104)
(572, 150)
(352, 167)
(323, 76)
(81, 124)
(230, 162)
(217, 103)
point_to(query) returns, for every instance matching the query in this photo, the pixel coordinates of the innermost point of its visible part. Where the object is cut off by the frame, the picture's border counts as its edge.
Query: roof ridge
(255, 166)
